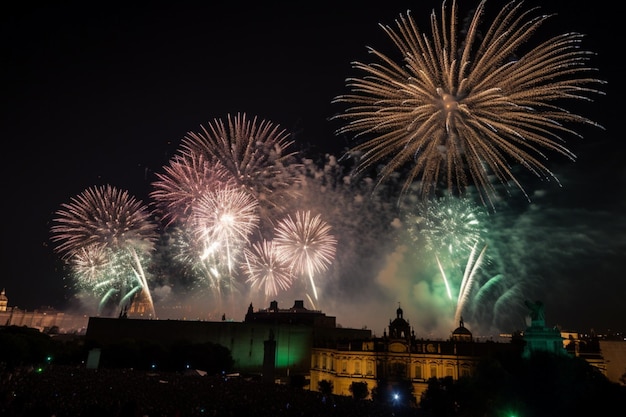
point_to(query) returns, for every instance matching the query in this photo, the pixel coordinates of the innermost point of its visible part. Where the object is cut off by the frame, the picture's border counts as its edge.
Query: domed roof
(399, 327)
(461, 330)
(461, 333)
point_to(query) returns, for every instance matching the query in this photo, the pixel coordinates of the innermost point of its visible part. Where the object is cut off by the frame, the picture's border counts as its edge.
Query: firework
(186, 179)
(222, 222)
(307, 243)
(265, 269)
(459, 111)
(91, 264)
(100, 234)
(254, 153)
(225, 216)
(194, 268)
(451, 228)
(450, 224)
(103, 216)
(474, 262)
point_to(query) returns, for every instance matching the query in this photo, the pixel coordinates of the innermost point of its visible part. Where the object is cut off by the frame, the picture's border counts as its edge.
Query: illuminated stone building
(4, 301)
(141, 306)
(399, 357)
(44, 319)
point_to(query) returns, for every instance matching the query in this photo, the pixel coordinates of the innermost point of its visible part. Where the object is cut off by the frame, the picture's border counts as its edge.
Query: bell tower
(399, 328)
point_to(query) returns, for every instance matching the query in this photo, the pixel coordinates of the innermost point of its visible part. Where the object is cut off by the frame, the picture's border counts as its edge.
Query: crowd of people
(64, 391)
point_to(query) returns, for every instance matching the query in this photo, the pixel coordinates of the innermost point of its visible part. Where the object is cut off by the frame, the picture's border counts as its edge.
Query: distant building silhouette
(293, 331)
(281, 342)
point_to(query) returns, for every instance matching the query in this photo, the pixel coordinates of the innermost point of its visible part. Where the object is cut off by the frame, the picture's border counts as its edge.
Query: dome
(399, 328)
(461, 330)
(461, 333)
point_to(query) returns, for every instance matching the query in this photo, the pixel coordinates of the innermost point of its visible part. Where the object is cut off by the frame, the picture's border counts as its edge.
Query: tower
(399, 328)
(4, 301)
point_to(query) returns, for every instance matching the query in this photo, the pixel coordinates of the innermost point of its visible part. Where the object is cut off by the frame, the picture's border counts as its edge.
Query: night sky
(103, 95)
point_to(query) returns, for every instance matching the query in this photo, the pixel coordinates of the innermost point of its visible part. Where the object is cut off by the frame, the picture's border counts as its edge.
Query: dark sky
(103, 94)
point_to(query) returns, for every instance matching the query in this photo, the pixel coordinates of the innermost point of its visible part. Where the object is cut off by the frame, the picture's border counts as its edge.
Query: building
(45, 319)
(399, 356)
(268, 340)
(4, 301)
(280, 342)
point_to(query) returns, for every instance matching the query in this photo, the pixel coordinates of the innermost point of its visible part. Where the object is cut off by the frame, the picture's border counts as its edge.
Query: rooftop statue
(537, 313)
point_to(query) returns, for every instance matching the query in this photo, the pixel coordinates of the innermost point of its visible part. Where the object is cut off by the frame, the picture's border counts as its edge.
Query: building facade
(45, 319)
(397, 358)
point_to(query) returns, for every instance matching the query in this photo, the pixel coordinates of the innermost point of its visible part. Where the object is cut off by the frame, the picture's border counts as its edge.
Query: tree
(24, 346)
(359, 390)
(325, 387)
(545, 384)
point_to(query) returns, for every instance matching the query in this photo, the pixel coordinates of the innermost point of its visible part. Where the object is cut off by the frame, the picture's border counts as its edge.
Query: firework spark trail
(363, 221)
(254, 154)
(220, 227)
(451, 226)
(103, 216)
(141, 278)
(266, 269)
(443, 275)
(198, 262)
(128, 297)
(90, 265)
(307, 243)
(97, 232)
(105, 299)
(445, 228)
(186, 179)
(473, 264)
(231, 178)
(461, 110)
(489, 286)
(226, 217)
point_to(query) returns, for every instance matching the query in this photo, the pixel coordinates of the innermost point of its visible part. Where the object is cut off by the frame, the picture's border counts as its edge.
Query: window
(418, 371)
(397, 369)
(357, 367)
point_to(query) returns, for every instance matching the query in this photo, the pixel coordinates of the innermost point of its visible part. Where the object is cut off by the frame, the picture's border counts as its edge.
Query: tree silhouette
(545, 384)
(325, 387)
(359, 390)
